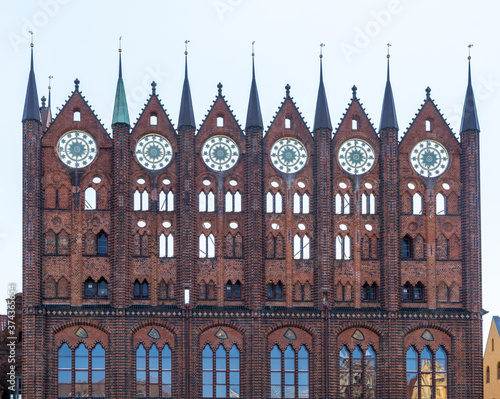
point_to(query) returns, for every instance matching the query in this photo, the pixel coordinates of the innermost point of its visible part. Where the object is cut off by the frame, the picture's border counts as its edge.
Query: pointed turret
(31, 107)
(254, 116)
(186, 113)
(388, 119)
(322, 117)
(46, 111)
(120, 111)
(469, 116)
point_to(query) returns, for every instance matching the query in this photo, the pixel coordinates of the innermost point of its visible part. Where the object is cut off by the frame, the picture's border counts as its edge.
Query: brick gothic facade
(319, 283)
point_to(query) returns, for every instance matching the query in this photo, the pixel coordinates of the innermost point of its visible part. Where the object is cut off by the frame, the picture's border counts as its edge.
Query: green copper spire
(120, 112)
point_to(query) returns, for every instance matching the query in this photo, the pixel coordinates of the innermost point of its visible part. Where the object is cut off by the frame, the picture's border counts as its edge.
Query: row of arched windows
(413, 204)
(82, 373)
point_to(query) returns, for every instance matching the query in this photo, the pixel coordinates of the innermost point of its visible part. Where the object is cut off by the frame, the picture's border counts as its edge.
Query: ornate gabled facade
(221, 262)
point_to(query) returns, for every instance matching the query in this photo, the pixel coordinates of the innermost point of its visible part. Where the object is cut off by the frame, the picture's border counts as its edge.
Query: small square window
(288, 123)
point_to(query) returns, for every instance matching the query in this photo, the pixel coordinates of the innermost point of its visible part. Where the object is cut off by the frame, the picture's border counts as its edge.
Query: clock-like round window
(288, 155)
(429, 158)
(220, 153)
(153, 151)
(76, 149)
(356, 156)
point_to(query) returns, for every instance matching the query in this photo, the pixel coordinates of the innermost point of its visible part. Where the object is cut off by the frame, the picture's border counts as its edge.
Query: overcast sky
(80, 39)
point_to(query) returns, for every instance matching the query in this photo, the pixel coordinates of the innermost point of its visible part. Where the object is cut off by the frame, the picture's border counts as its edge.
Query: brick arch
(374, 182)
(140, 174)
(442, 337)
(140, 335)
(342, 179)
(305, 336)
(361, 325)
(235, 336)
(65, 333)
(166, 175)
(233, 175)
(201, 187)
(86, 179)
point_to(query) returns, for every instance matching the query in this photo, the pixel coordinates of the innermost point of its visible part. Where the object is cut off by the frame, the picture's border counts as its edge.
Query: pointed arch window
(233, 291)
(368, 204)
(357, 373)
(369, 292)
(153, 372)
(221, 372)
(301, 203)
(289, 372)
(102, 243)
(233, 201)
(166, 201)
(426, 375)
(206, 202)
(440, 204)
(207, 246)
(342, 204)
(407, 247)
(301, 247)
(274, 203)
(141, 200)
(166, 246)
(141, 290)
(90, 198)
(417, 204)
(343, 247)
(275, 291)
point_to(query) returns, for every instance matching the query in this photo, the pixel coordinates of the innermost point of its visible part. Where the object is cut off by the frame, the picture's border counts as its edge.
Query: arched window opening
(102, 288)
(221, 372)
(166, 201)
(153, 119)
(342, 204)
(220, 121)
(166, 246)
(207, 246)
(300, 203)
(76, 116)
(407, 247)
(275, 291)
(440, 204)
(90, 288)
(274, 203)
(141, 200)
(343, 247)
(428, 125)
(354, 124)
(64, 371)
(417, 204)
(102, 243)
(301, 247)
(141, 290)
(233, 201)
(98, 372)
(206, 202)
(233, 291)
(81, 371)
(90, 198)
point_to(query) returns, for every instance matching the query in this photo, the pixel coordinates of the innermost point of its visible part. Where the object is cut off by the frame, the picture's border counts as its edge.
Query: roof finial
(50, 78)
(470, 45)
(321, 50)
(388, 50)
(219, 86)
(120, 45)
(153, 88)
(186, 47)
(43, 101)
(77, 85)
(428, 93)
(354, 89)
(253, 48)
(287, 88)
(31, 32)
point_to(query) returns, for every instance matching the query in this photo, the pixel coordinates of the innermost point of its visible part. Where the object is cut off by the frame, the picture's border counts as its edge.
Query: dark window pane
(237, 290)
(137, 290)
(102, 244)
(278, 291)
(145, 290)
(103, 288)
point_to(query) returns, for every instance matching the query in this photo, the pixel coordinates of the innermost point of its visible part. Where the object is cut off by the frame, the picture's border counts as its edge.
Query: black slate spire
(469, 116)
(186, 114)
(31, 106)
(254, 116)
(388, 119)
(322, 117)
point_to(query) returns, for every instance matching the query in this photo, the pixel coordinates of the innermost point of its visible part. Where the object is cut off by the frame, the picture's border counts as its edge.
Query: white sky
(80, 39)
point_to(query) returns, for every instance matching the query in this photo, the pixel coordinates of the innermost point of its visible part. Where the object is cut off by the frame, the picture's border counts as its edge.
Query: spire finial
(287, 88)
(219, 86)
(120, 45)
(77, 85)
(470, 45)
(186, 47)
(153, 88)
(388, 50)
(428, 93)
(354, 89)
(321, 50)
(43, 101)
(31, 32)
(50, 78)
(253, 48)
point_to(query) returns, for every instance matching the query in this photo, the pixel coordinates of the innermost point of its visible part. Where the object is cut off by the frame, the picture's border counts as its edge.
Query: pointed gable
(153, 119)
(220, 120)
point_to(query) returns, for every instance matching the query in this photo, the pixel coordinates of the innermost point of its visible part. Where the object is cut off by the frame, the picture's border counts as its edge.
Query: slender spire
(50, 89)
(31, 106)
(322, 117)
(186, 114)
(120, 111)
(469, 116)
(254, 116)
(388, 119)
